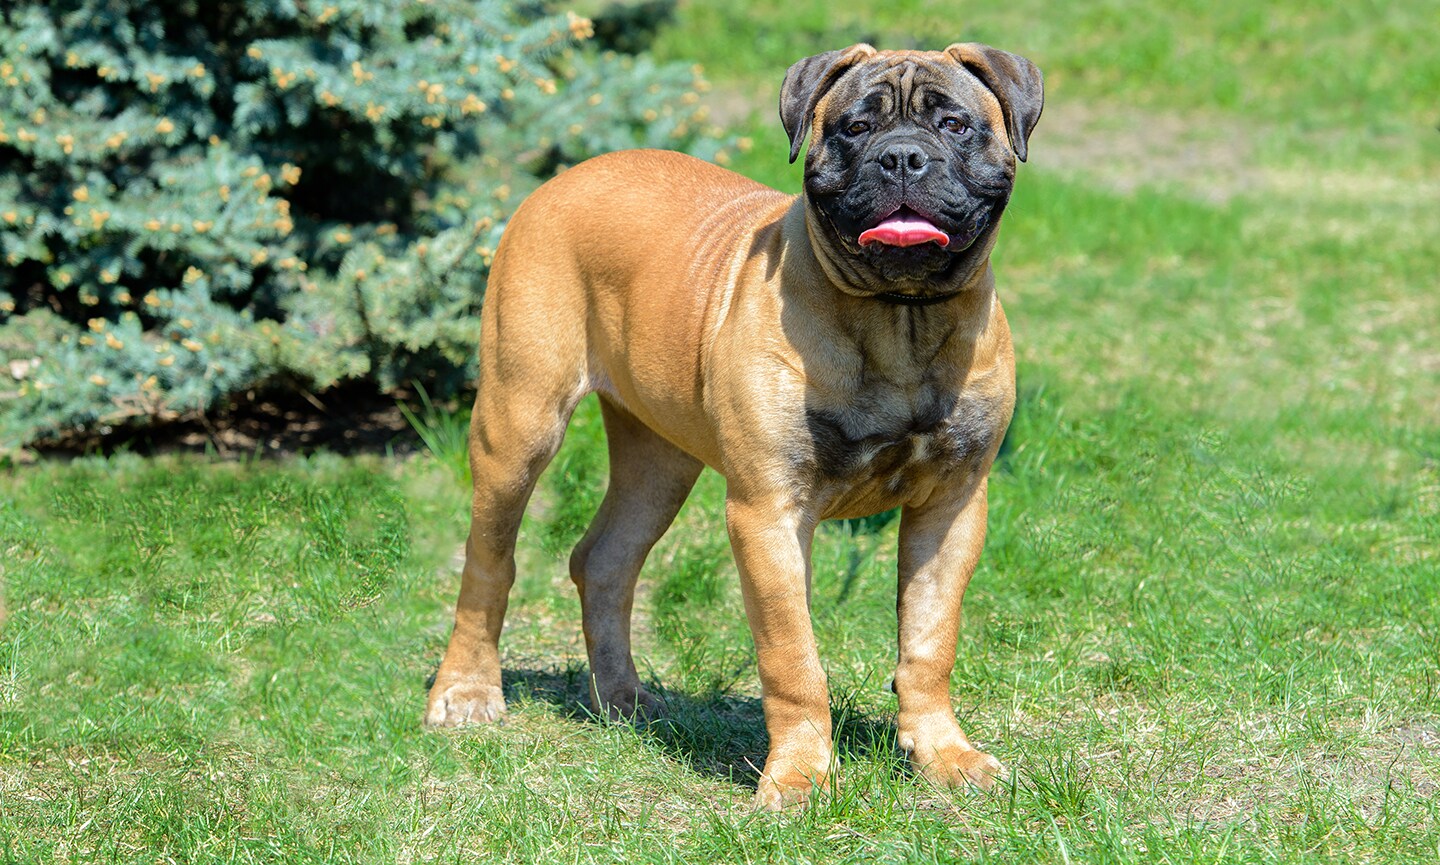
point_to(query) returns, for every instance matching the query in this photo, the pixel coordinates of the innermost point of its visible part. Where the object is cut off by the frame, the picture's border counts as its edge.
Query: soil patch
(1124, 148)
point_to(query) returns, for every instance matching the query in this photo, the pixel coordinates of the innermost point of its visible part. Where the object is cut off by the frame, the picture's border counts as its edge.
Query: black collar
(915, 300)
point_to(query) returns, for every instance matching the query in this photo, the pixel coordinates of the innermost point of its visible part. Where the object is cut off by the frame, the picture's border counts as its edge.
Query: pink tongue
(908, 230)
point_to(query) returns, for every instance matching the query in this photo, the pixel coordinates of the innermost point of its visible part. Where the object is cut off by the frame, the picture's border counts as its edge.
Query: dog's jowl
(833, 354)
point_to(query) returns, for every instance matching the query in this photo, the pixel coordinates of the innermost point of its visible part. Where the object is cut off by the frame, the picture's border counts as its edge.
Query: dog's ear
(806, 82)
(1015, 81)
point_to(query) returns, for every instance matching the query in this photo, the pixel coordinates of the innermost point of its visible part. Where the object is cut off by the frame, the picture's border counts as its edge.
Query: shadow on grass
(717, 734)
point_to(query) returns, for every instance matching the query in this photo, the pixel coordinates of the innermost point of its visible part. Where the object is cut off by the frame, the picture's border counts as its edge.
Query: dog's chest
(881, 436)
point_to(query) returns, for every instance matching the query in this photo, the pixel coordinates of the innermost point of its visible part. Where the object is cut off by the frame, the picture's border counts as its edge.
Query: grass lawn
(1206, 626)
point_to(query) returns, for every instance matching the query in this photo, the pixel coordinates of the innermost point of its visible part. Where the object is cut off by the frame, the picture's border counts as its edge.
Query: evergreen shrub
(200, 198)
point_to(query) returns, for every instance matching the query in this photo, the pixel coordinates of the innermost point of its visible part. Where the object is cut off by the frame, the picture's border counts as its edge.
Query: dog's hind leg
(526, 396)
(649, 480)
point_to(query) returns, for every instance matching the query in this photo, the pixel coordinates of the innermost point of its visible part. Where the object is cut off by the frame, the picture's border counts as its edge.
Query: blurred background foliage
(200, 200)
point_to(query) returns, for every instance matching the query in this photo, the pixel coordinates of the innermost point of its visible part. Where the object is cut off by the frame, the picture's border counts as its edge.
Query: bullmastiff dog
(834, 354)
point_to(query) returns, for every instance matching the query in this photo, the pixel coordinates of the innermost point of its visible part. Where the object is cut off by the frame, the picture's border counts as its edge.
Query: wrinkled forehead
(912, 83)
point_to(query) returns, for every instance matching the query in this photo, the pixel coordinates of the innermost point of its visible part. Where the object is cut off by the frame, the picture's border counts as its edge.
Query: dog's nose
(906, 160)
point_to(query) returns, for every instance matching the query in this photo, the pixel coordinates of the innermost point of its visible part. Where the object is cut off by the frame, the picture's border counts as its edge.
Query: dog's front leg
(940, 545)
(771, 542)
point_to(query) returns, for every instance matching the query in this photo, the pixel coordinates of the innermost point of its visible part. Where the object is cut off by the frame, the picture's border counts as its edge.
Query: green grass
(1206, 626)
(1362, 63)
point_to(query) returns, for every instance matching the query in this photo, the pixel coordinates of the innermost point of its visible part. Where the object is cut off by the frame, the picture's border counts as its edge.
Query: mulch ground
(347, 420)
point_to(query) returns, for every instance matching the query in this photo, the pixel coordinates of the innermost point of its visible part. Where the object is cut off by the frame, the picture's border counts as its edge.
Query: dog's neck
(915, 300)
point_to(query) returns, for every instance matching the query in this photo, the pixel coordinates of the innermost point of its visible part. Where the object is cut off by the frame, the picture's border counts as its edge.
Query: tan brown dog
(835, 354)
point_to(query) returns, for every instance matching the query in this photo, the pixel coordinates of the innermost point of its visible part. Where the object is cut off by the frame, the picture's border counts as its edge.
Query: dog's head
(912, 159)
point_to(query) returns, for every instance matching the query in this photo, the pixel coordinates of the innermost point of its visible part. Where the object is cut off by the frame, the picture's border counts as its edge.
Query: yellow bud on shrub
(580, 27)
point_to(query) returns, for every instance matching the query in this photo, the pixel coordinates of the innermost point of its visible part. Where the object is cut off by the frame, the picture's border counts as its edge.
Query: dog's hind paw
(464, 703)
(637, 706)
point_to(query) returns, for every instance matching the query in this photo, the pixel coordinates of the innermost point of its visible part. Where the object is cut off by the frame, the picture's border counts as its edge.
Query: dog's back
(563, 283)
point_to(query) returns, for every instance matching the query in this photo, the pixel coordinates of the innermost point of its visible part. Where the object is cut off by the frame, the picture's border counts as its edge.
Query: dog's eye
(858, 127)
(955, 125)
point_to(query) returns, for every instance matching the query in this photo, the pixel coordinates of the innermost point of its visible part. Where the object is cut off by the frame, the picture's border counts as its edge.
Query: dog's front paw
(463, 702)
(954, 766)
(941, 753)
